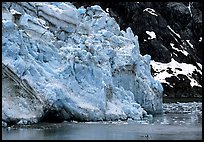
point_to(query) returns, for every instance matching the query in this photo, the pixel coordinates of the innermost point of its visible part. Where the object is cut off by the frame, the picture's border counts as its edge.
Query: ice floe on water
(189, 107)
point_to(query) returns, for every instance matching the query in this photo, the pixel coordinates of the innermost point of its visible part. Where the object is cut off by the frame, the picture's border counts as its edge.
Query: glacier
(63, 63)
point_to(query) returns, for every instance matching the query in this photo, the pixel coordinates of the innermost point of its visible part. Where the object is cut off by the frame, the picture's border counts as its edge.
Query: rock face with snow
(68, 63)
(171, 32)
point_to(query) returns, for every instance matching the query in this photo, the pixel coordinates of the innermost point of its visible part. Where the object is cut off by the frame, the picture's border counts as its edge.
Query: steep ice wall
(21, 104)
(78, 61)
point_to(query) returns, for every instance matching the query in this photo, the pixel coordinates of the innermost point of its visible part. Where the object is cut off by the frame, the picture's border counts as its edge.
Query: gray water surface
(179, 122)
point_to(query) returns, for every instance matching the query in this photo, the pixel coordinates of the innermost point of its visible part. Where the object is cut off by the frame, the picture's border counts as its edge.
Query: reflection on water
(172, 125)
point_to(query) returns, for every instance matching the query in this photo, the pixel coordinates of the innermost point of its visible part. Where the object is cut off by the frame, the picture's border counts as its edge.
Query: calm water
(181, 121)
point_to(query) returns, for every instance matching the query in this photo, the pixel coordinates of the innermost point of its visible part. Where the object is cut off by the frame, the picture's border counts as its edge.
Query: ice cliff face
(171, 33)
(66, 63)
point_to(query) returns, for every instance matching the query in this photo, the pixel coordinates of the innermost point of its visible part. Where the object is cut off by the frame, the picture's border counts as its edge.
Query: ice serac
(78, 64)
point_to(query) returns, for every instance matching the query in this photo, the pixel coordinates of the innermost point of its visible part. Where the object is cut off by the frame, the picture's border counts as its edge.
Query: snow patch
(152, 34)
(107, 10)
(199, 65)
(189, 43)
(187, 69)
(200, 39)
(183, 51)
(189, 7)
(151, 11)
(173, 31)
